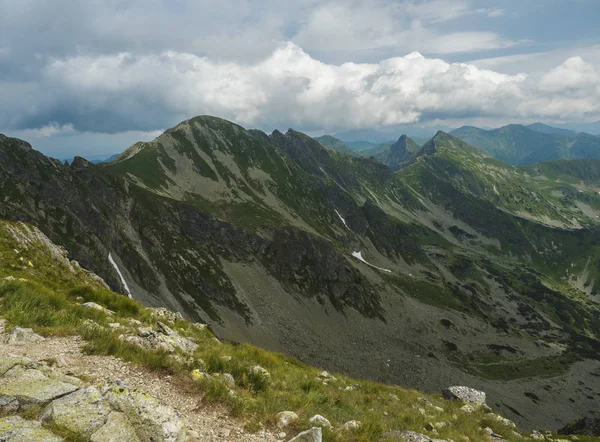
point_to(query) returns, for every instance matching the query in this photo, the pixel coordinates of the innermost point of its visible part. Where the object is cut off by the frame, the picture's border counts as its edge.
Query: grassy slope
(49, 300)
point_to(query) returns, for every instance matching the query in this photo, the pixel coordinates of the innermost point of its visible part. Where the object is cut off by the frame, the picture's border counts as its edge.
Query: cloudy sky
(92, 77)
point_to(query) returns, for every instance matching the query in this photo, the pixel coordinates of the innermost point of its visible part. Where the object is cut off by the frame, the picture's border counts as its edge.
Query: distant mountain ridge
(544, 128)
(521, 145)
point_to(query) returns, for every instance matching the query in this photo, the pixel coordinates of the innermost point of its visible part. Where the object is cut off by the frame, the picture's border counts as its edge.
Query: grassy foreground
(45, 294)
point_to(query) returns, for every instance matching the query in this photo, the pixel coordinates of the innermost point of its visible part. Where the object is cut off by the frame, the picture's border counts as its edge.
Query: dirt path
(206, 423)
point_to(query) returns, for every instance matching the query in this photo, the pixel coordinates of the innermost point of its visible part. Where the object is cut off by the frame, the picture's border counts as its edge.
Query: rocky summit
(435, 267)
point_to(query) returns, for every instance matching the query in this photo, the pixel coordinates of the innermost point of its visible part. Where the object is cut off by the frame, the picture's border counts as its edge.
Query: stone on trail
(20, 336)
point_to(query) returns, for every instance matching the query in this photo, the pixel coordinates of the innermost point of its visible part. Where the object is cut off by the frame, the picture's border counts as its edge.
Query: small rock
(98, 307)
(228, 379)
(20, 336)
(351, 425)
(326, 376)
(284, 418)
(320, 421)
(467, 408)
(315, 434)
(504, 421)
(258, 370)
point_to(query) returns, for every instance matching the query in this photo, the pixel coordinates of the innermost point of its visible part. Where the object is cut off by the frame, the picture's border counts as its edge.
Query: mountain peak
(80, 163)
(15, 143)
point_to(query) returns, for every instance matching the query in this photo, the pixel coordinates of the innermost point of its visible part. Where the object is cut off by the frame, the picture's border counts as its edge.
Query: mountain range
(520, 145)
(443, 266)
(514, 144)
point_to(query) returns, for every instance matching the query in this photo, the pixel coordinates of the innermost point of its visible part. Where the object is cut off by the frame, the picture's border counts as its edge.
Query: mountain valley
(472, 271)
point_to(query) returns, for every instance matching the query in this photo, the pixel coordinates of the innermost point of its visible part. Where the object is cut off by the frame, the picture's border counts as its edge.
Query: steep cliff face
(456, 269)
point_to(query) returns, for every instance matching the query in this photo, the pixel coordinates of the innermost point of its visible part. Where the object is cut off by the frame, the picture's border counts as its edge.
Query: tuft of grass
(106, 298)
(31, 305)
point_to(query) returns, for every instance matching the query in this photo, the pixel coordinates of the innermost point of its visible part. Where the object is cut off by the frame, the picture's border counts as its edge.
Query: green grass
(292, 385)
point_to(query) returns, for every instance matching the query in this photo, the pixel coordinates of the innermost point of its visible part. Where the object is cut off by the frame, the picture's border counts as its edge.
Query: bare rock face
(465, 394)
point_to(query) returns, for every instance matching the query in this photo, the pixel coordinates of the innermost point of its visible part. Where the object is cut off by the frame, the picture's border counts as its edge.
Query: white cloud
(49, 130)
(362, 26)
(292, 88)
(437, 11)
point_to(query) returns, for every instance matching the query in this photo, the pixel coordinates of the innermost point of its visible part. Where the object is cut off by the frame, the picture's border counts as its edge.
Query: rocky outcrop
(588, 426)
(163, 338)
(101, 413)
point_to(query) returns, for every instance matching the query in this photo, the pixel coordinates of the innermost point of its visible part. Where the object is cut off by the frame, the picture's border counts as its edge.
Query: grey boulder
(465, 394)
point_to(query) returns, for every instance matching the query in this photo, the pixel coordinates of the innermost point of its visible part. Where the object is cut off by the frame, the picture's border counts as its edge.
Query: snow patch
(343, 220)
(114, 264)
(358, 255)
